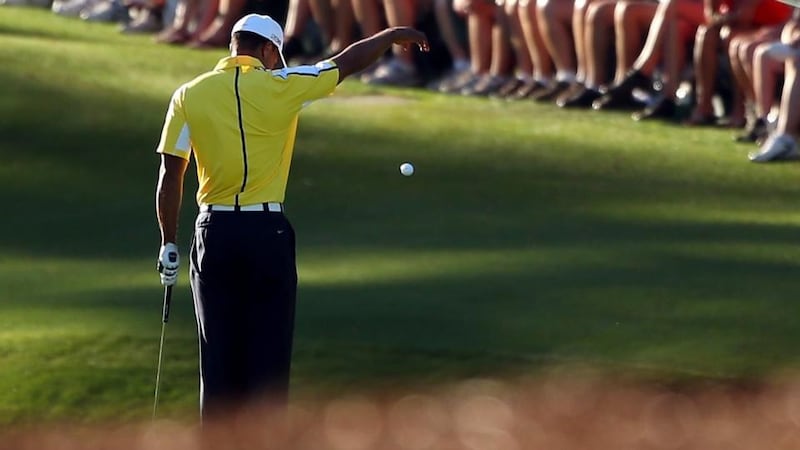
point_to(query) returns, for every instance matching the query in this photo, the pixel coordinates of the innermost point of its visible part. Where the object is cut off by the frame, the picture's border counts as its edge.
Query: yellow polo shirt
(240, 122)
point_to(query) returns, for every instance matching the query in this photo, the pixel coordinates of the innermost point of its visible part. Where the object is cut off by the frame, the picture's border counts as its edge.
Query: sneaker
(70, 8)
(580, 98)
(662, 108)
(620, 96)
(394, 73)
(633, 79)
(616, 100)
(365, 75)
(450, 77)
(755, 132)
(487, 85)
(508, 88)
(173, 36)
(527, 89)
(146, 23)
(781, 146)
(463, 82)
(104, 11)
(551, 92)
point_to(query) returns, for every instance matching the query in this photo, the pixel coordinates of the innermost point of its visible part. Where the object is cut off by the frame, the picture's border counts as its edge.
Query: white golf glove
(168, 263)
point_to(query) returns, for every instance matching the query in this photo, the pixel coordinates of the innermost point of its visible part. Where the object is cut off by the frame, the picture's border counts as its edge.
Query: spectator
(670, 34)
(297, 19)
(202, 24)
(217, 33)
(459, 55)
(189, 16)
(500, 63)
(731, 17)
(522, 63)
(768, 63)
(147, 18)
(66, 8)
(399, 69)
(542, 63)
(117, 11)
(555, 22)
(594, 33)
(479, 15)
(335, 19)
(781, 144)
(741, 54)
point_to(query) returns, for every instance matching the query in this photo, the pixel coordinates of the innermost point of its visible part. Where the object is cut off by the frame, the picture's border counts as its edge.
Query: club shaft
(164, 320)
(158, 371)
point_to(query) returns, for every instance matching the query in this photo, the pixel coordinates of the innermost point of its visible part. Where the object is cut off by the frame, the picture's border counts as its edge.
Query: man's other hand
(168, 263)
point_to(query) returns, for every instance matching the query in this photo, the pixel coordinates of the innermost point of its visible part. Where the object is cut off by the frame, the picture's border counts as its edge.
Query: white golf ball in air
(407, 169)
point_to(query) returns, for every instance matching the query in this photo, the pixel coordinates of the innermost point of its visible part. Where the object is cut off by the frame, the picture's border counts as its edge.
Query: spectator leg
(598, 43)
(765, 76)
(705, 62)
(631, 21)
(447, 29)
(480, 48)
(522, 56)
(344, 21)
(555, 22)
(540, 58)
(789, 116)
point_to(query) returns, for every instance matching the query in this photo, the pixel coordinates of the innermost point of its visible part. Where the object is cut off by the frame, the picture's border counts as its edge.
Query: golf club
(164, 320)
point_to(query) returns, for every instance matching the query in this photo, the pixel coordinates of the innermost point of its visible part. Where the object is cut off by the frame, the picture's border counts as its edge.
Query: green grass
(529, 237)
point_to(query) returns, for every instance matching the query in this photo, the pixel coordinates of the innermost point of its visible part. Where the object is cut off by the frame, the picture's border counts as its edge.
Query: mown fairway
(529, 237)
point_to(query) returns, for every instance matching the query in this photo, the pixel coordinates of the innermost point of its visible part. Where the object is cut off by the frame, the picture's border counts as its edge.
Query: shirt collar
(239, 61)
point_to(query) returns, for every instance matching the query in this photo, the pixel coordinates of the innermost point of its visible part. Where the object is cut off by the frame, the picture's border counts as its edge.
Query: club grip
(167, 302)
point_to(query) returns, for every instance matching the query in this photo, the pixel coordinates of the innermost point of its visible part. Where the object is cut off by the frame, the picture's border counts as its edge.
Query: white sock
(563, 75)
(460, 65)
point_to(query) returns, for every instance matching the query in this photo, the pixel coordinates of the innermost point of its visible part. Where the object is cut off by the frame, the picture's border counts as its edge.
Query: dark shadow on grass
(41, 33)
(99, 197)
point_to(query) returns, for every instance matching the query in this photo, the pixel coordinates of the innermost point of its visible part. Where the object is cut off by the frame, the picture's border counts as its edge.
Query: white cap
(264, 26)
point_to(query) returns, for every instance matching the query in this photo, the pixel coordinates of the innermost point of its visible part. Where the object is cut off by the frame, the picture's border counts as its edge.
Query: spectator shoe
(579, 98)
(777, 147)
(551, 92)
(662, 108)
(756, 131)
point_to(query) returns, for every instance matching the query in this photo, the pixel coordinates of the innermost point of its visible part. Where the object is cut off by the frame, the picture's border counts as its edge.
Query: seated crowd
(726, 63)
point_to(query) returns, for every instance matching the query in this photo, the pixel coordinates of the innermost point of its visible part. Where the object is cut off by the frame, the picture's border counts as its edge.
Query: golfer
(239, 121)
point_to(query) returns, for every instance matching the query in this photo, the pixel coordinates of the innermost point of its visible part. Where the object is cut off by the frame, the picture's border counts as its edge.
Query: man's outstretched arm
(359, 55)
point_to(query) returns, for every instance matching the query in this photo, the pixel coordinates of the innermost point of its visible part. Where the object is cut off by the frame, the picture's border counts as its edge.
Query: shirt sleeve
(175, 137)
(313, 82)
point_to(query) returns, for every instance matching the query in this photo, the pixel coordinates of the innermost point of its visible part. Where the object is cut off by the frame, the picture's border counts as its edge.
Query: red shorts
(771, 12)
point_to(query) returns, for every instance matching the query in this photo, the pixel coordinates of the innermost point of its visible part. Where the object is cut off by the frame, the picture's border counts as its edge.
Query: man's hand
(407, 36)
(168, 263)
(359, 55)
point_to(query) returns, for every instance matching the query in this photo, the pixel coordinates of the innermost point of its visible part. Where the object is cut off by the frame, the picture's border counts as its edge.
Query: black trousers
(244, 283)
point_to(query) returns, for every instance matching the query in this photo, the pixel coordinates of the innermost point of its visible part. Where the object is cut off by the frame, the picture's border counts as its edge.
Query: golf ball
(407, 169)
